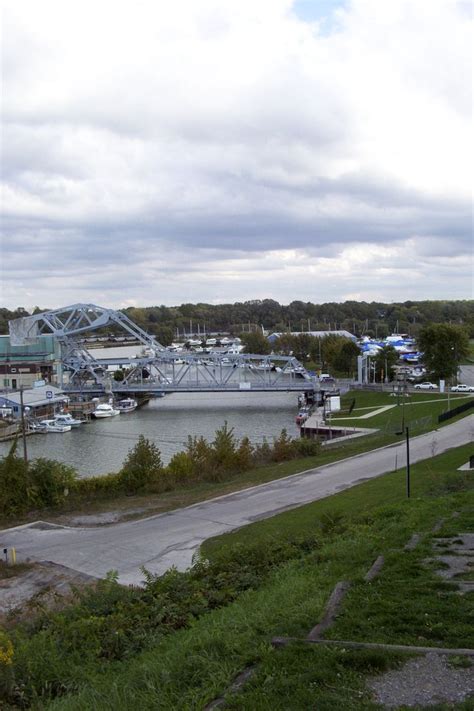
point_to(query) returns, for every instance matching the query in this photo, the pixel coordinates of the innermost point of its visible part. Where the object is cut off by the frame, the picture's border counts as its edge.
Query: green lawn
(419, 411)
(407, 603)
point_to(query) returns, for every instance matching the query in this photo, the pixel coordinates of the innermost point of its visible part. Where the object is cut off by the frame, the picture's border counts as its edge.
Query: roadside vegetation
(45, 483)
(207, 469)
(179, 641)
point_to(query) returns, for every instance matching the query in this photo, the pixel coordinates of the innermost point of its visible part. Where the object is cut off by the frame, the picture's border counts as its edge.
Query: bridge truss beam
(161, 370)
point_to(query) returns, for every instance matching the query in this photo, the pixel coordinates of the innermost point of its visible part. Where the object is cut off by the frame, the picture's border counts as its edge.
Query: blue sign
(49, 394)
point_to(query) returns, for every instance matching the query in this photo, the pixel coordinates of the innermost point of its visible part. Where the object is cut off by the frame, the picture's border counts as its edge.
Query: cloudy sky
(161, 152)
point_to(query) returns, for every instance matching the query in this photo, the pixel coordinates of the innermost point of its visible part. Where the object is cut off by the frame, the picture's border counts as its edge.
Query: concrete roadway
(158, 542)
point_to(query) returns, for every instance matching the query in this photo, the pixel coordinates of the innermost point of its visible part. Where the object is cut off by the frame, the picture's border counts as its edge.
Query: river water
(101, 446)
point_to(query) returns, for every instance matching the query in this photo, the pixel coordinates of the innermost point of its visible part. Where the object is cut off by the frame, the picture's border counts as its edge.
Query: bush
(283, 448)
(306, 447)
(15, 485)
(106, 484)
(27, 485)
(181, 467)
(107, 622)
(51, 481)
(223, 453)
(142, 466)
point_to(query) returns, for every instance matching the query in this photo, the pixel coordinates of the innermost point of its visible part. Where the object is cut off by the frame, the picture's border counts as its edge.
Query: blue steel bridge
(159, 370)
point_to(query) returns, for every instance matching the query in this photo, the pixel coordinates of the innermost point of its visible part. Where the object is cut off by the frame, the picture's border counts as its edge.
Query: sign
(333, 403)
(49, 394)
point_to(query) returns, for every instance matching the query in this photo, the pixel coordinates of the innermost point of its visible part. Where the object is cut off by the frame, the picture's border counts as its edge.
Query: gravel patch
(423, 681)
(103, 519)
(42, 579)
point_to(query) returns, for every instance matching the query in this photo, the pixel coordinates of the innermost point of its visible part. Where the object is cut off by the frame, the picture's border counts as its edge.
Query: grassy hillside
(275, 579)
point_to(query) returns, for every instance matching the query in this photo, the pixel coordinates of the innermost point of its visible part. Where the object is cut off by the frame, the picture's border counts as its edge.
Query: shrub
(15, 485)
(181, 467)
(306, 447)
(51, 481)
(200, 453)
(245, 454)
(142, 466)
(263, 452)
(106, 484)
(283, 447)
(224, 457)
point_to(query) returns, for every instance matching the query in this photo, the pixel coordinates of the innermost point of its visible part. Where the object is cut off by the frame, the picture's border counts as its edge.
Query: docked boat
(53, 426)
(67, 419)
(302, 415)
(104, 410)
(128, 404)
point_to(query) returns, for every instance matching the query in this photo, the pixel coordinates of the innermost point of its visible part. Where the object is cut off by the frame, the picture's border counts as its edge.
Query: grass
(407, 603)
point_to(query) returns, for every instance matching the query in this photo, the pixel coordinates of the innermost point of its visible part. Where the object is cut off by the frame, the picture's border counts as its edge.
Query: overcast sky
(161, 152)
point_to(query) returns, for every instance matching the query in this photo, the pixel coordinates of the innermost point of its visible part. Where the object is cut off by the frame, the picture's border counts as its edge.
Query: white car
(426, 386)
(462, 388)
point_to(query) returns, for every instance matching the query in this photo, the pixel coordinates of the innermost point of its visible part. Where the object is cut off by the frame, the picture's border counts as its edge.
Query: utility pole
(404, 394)
(408, 461)
(23, 426)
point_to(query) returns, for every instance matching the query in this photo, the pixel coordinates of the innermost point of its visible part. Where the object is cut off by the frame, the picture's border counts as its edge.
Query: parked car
(326, 378)
(461, 388)
(426, 386)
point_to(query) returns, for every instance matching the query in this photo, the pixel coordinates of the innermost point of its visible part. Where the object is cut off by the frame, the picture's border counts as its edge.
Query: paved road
(161, 541)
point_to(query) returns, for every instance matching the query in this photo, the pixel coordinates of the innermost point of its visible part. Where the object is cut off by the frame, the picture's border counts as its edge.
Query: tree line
(375, 319)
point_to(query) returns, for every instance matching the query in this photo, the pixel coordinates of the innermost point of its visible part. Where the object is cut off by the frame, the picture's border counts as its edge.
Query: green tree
(444, 346)
(255, 342)
(285, 344)
(345, 360)
(330, 351)
(385, 359)
(302, 346)
(142, 465)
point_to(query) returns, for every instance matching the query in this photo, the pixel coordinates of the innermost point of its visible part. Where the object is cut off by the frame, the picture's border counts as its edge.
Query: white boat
(264, 365)
(105, 410)
(53, 426)
(67, 419)
(128, 404)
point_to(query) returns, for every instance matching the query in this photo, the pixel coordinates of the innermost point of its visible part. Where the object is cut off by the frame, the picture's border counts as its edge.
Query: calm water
(102, 445)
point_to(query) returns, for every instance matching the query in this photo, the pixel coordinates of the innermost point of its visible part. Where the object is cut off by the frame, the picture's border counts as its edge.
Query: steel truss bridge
(158, 370)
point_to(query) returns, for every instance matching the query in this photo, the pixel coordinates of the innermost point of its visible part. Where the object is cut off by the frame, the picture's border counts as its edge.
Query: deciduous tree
(444, 346)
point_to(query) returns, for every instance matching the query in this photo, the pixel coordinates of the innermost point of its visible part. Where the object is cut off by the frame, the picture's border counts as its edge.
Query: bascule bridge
(157, 369)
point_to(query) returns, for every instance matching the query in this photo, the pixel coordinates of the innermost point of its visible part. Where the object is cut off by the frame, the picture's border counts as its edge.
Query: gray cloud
(235, 141)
